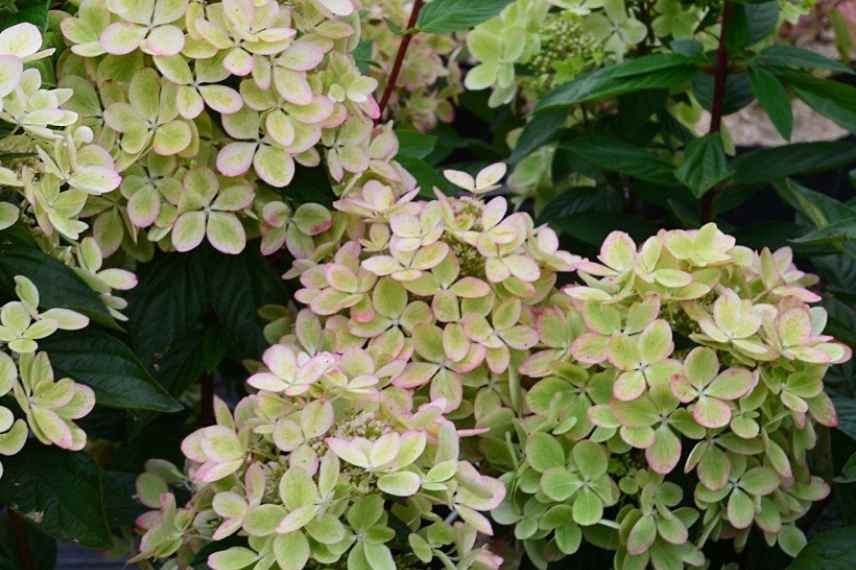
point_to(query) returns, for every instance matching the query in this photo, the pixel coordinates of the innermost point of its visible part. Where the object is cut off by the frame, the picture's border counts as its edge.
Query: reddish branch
(206, 401)
(18, 528)
(399, 58)
(719, 81)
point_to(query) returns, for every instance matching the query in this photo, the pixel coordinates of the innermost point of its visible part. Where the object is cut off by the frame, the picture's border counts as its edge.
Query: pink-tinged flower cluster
(234, 95)
(423, 322)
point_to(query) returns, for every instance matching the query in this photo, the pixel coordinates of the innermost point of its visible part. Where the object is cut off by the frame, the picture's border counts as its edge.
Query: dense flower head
(433, 366)
(233, 95)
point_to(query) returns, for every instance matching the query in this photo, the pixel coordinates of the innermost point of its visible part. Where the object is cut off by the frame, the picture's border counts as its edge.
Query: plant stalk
(206, 400)
(399, 59)
(18, 532)
(716, 110)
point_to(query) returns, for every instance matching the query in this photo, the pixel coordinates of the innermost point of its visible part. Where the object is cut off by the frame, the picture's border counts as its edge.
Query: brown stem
(206, 400)
(18, 529)
(399, 58)
(719, 79)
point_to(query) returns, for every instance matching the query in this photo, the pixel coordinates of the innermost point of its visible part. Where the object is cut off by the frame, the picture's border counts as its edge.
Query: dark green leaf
(832, 99)
(768, 164)
(309, 185)
(414, 144)
(58, 285)
(59, 491)
(580, 200)
(120, 502)
(659, 71)
(820, 209)
(848, 473)
(444, 16)
(592, 227)
(763, 20)
(830, 550)
(32, 11)
(102, 361)
(704, 165)
(541, 129)
(237, 286)
(426, 176)
(738, 91)
(835, 233)
(615, 155)
(790, 56)
(24, 537)
(774, 99)
(687, 47)
(167, 306)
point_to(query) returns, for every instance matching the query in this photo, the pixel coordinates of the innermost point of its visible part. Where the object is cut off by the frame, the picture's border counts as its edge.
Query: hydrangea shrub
(448, 384)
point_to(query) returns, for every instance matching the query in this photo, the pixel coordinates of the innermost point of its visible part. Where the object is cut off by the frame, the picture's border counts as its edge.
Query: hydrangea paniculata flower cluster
(435, 381)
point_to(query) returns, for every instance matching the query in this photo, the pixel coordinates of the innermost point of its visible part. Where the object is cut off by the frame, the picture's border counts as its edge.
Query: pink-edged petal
(189, 231)
(225, 233)
(120, 38)
(235, 158)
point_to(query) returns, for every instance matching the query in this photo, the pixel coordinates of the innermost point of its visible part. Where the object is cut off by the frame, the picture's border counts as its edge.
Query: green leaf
(615, 155)
(32, 11)
(774, 99)
(120, 502)
(363, 56)
(830, 550)
(540, 130)
(60, 492)
(846, 409)
(848, 473)
(174, 288)
(58, 285)
(593, 227)
(41, 548)
(580, 200)
(444, 16)
(102, 361)
(751, 23)
(835, 233)
(820, 209)
(832, 99)
(704, 164)
(237, 286)
(738, 91)
(426, 176)
(658, 71)
(768, 164)
(414, 144)
(791, 56)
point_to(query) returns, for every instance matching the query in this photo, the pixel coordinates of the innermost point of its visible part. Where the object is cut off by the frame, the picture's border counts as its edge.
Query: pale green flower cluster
(45, 188)
(49, 406)
(539, 44)
(353, 432)
(668, 400)
(200, 105)
(674, 405)
(430, 78)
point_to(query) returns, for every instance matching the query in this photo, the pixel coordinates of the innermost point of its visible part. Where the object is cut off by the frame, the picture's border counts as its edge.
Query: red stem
(206, 403)
(19, 532)
(719, 80)
(399, 58)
